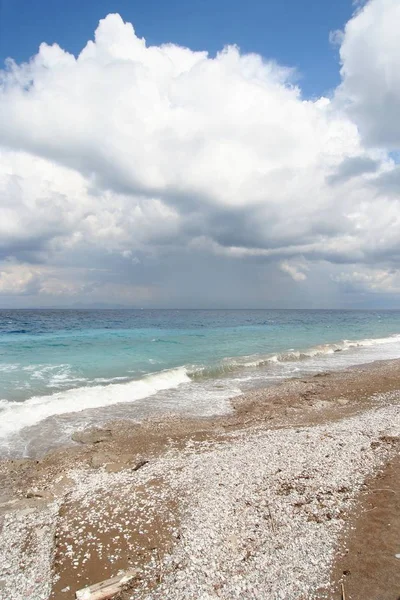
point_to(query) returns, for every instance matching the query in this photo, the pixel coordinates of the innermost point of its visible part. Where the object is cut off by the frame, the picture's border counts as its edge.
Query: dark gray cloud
(389, 182)
(353, 167)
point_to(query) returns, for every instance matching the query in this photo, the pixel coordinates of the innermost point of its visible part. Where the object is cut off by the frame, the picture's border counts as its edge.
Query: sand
(290, 495)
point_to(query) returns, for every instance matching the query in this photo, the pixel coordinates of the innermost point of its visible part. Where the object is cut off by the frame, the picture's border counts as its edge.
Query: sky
(288, 30)
(203, 154)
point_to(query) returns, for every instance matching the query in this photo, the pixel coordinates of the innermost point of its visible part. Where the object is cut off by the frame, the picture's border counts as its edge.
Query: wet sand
(211, 507)
(366, 561)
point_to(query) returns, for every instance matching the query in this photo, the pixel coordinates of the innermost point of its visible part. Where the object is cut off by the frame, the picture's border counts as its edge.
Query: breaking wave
(230, 365)
(14, 416)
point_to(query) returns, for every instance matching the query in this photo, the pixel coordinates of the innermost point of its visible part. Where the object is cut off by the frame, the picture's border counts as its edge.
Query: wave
(8, 367)
(232, 364)
(11, 331)
(110, 379)
(161, 341)
(14, 416)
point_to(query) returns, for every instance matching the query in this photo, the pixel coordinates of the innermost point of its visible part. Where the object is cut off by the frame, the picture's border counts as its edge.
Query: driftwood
(343, 592)
(106, 589)
(139, 465)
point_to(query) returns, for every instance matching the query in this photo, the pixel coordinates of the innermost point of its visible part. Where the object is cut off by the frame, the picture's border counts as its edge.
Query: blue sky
(295, 33)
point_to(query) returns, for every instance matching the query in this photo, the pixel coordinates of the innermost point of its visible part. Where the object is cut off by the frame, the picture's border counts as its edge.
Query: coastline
(255, 503)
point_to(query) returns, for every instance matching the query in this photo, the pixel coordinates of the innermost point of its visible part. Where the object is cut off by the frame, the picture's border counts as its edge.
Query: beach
(289, 496)
(200, 300)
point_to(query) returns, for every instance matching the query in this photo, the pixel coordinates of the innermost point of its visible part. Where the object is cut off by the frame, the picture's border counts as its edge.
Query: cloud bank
(160, 176)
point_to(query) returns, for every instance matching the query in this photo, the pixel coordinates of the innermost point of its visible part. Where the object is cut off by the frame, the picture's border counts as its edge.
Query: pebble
(253, 537)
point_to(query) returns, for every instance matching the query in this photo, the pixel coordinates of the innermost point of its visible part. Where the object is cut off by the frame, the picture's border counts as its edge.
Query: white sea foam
(8, 368)
(325, 349)
(231, 364)
(14, 416)
(110, 379)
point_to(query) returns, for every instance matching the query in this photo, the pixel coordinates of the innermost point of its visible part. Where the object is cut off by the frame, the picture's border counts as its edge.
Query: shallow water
(101, 364)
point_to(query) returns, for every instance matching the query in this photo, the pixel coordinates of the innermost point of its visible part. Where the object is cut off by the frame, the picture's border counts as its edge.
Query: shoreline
(153, 495)
(101, 400)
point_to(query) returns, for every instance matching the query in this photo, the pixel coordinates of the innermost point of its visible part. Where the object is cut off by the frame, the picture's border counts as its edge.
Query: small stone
(92, 436)
(38, 494)
(102, 458)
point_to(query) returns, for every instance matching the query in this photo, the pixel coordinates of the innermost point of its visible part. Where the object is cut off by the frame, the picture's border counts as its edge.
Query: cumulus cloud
(20, 280)
(295, 271)
(372, 280)
(23, 279)
(370, 56)
(128, 160)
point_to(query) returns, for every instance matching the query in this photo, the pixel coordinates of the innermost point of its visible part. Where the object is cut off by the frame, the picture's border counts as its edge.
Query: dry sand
(286, 497)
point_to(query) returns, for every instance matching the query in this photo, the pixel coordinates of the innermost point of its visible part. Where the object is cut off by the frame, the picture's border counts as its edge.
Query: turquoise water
(56, 362)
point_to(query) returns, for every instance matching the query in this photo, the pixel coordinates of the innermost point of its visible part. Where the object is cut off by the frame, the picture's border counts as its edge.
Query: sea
(62, 370)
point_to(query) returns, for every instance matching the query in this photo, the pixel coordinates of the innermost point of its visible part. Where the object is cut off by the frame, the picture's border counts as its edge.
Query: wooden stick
(139, 465)
(271, 519)
(105, 589)
(343, 592)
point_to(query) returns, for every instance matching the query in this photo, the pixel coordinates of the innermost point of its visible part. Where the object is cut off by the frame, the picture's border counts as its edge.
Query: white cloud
(370, 55)
(372, 280)
(296, 271)
(18, 280)
(169, 122)
(127, 156)
(23, 279)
